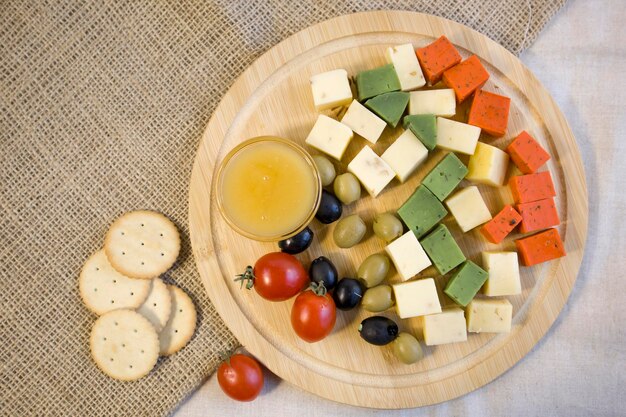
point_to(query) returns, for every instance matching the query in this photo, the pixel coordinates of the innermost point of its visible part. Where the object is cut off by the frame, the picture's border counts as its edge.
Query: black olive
(298, 243)
(378, 330)
(330, 208)
(323, 270)
(348, 293)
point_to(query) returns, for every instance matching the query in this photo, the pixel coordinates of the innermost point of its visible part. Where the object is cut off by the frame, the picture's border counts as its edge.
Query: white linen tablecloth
(579, 367)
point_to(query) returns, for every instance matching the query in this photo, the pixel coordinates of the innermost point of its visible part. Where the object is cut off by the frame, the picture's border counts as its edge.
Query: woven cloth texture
(102, 105)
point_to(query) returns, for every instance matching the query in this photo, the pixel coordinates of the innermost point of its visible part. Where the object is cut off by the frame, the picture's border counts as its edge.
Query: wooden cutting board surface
(273, 97)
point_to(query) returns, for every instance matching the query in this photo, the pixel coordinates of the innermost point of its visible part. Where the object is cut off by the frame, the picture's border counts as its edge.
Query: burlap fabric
(102, 105)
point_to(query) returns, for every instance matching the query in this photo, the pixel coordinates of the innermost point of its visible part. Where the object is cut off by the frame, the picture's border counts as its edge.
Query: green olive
(349, 231)
(347, 188)
(407, 349)
(374, 269)
(378, 298)
(325, 168)
(387, 227)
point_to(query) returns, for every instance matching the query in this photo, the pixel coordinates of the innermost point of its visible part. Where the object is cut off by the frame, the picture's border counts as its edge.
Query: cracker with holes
(124, 345)
(181, 325)
(142, 244)
(158, 305)
(103, 289)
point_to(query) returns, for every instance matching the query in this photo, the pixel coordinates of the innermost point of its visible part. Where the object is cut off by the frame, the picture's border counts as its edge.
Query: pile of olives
(367, 288)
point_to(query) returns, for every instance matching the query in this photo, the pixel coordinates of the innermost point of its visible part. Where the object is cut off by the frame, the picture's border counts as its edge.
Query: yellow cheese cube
(363, 122)
(417, 298)
(488, 165)
(329, 136)
(489, 316)
(331, 89)
(468, 208)
(503, 270)
(445, 327)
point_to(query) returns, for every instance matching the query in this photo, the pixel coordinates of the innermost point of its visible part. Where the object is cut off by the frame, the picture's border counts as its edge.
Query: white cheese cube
(457, 136)
(331, 89)
(363, 122)
(488, 165)
(468, 208)
(407, 255)
(406, 65)
(445, 327)
(437, 102)
(503, 270)
(489, 316)
(371, 170)
(405, 155)
(329, 136)
(417, 298)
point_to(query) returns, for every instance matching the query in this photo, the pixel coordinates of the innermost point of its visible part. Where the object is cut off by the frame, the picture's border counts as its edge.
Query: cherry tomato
(276, 276)
(240, 377)
(313, 314)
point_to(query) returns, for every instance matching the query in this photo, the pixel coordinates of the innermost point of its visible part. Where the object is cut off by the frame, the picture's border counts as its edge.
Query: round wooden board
(273, 97)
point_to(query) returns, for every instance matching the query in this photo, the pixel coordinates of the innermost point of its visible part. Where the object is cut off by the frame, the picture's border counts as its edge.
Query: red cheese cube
(500, 226)
(466, 77)
(538, 215)
(532, 187)
(541, 247)
(490, 112)
(437, 57)
(527, 153)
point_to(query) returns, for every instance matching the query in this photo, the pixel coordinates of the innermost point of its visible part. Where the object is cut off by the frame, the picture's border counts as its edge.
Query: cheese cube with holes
(363, 122)
(488, 165)
(407, 255)
(437, 102)
(406, 65)
(373, 172)
(329, 136)
(503, 274)
(457, 136)
(468, 208)
(489, 316)
(417, 298)
(445, 327)
(405, 155)
(331, 89)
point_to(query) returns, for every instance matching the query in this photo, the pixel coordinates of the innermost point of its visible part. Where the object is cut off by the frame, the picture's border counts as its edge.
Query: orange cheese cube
(490, 112)
(466, 77)
(500, 226)
(527, 153)
(437, 57)
(541, 247)
(538, 215)
(532, 187)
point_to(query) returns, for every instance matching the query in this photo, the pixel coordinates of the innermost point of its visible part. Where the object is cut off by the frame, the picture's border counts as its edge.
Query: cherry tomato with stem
(240, 377)
(276, 276)
(313, 314)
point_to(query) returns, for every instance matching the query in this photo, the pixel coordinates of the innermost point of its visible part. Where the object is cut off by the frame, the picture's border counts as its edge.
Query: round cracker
(124, 345)
(142, 244)
(181, 325)
(158, 305)
(103, 289)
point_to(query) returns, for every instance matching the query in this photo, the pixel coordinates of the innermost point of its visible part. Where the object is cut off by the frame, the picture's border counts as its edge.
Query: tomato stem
(247, 277)
(318, 288)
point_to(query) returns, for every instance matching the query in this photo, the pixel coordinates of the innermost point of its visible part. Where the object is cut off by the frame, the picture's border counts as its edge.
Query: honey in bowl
(268, 188)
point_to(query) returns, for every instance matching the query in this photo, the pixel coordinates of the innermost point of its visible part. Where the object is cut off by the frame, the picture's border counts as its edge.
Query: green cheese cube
(465, 283)
(444, 177)
(424, 127)
(442, 249)
(377, 81)
(389, 106)
(422, 211)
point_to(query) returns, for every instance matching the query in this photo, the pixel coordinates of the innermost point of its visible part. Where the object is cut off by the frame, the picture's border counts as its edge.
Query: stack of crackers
(141, 317)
